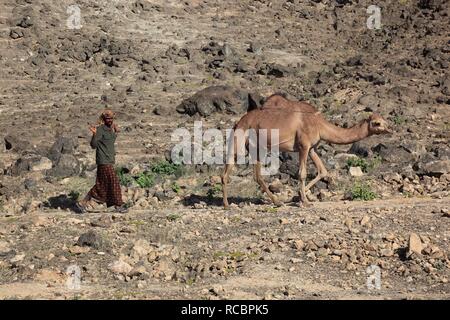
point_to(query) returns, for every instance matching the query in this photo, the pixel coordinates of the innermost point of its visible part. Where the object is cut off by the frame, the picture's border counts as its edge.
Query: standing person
(107, 185)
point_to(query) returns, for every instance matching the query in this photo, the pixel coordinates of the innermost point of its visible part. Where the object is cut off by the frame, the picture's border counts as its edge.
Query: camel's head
(377, 125)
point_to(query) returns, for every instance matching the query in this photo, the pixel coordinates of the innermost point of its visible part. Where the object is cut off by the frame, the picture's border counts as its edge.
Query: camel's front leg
(262, 184)
(303, 156)
(321, 169)
(225, 180)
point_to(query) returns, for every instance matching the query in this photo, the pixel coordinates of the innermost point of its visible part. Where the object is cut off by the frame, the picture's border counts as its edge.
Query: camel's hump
(278, 101)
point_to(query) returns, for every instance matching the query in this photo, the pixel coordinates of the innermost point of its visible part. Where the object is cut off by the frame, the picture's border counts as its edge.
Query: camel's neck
(334, 134)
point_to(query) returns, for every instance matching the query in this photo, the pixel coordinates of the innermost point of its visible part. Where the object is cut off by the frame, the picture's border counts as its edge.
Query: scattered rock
(355, 171)
(216, 99)
(437, 167)
(90, 239)
(414, 245)
(120, 267)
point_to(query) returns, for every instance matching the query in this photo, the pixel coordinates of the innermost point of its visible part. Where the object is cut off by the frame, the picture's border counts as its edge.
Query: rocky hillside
(163, 64)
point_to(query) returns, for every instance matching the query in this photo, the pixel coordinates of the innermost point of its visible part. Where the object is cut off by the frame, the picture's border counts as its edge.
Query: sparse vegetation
(166, 168)
(365, 165)
(214, 191)
(124, 178)
(173, 217)
(399, 120)
(145, 180)
(74, 195)
(362, 191)
(176, 188)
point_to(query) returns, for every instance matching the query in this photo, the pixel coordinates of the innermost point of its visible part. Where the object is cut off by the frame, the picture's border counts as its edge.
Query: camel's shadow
(61, 202)
(218, 201)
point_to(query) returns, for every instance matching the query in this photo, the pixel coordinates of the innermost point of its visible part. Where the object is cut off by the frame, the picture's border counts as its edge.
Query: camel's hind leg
(321, 169)
(303, 157)
(262, 184)
(225, 180)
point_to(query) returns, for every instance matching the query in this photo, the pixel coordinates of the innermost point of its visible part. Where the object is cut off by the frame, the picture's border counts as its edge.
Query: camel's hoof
(305, 204)
(226, 206)
(278, 203)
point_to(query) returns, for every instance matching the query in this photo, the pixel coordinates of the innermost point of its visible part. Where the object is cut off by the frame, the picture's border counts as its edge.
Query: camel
(301, 128)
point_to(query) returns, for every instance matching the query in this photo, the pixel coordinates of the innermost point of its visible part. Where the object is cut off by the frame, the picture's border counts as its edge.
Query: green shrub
(74, 195)
(361, 191)
(399, 120)
(124, 178)
(213, 191)
(165, 168)
(145, 180)
(364, 164)
(176, 188)
(173, 217)
(358, 162)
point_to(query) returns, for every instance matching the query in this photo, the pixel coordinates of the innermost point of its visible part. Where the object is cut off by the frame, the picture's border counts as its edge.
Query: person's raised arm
(95, 137)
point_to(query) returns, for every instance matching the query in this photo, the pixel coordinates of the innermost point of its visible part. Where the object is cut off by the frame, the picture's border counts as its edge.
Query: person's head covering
(106, 113)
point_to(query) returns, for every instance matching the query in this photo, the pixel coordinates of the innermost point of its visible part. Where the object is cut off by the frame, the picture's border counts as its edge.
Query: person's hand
(93, 129)
(115, 127)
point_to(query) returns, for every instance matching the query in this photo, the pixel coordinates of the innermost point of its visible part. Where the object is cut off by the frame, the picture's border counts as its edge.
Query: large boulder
(17, 144)
(29, 162)
(66, 166)
(219, 99)
(62, 145)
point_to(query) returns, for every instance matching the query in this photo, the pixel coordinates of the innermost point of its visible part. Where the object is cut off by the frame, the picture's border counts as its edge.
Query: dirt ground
(143, 59)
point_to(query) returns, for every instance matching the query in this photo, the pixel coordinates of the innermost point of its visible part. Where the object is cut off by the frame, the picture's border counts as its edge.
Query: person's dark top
(103, 141)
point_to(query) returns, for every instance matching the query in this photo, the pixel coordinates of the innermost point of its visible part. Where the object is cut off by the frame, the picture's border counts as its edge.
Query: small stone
(4, 248)
(355, 171)
(414, 245)
(142, 248)
(386, 252)
(17, 258)
(322, 252)
(40, 221)
(299, 244)
(365, 220)
(217, 289)
(79, 250)
(348, 222)
(137, 271)
(90, 239)
(41, 165)
(120, 267)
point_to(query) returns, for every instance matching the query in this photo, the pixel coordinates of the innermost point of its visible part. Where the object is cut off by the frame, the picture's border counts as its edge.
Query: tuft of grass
(176, 188)
(399, 120)
(145, 180)
(233, 255)
(362, 191)
(173, 217)
(364, 164)
(124, 178)
(74, 195)
(213, 191)
(272, 210)
(166, 168)
(358, 162)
